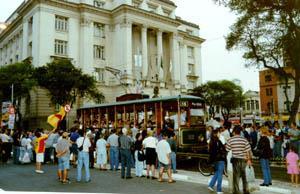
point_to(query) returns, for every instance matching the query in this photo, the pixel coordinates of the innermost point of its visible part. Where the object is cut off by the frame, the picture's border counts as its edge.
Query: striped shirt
(239, 147)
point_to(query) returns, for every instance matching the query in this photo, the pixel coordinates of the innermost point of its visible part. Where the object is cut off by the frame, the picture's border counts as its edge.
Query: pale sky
(214, 22)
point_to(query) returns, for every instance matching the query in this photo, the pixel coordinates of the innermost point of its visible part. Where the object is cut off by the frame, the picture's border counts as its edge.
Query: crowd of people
(142, 148)
(124, 147)
(236, 146)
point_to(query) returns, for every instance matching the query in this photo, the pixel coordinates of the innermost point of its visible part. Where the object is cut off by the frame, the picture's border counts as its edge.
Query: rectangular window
(192, 84)
(190, 51)
(248, 105)
(268, 78)
(269, 92)
(30, 25)
(60, 47)
(99, 30)
(99, 52)
(99, 74)
(61, 23)
(99, 4)
(30, 49)
(191, 69)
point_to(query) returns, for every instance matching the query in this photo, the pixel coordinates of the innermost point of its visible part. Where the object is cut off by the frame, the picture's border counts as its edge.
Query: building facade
(129, 46)
(251, 103)
(274, 102)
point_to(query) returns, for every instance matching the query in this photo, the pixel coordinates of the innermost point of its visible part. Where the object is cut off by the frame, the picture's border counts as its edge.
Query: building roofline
(187, 23)
(169, 2)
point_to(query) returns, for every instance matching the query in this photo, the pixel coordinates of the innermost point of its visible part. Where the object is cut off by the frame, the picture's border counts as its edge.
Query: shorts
(150, 156)
(40, 157)
(64, 163)
(165, 166)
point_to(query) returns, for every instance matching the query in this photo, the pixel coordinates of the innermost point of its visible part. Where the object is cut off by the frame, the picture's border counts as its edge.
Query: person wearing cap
(265, 153)
(241, 153)
(63, 154)
(125, 144)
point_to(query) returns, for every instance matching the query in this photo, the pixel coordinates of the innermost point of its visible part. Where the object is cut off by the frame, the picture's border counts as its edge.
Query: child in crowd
(292, 164)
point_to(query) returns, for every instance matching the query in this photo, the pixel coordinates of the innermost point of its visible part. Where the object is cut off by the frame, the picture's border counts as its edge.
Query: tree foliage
(224, 93)
(269, 32)
(20, 75)
(65, 82)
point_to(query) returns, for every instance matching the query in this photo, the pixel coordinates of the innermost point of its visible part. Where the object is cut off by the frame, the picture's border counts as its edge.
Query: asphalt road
(23, 178)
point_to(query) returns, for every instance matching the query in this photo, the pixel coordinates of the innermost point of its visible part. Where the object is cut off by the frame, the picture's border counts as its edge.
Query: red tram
(186, 112)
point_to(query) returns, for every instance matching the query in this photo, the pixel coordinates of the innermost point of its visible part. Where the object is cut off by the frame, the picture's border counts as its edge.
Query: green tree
(224, 93)
(20, 75)
(269, 32)
(65, 82)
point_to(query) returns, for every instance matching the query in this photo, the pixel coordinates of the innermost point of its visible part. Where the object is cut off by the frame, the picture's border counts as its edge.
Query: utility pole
(12, 94)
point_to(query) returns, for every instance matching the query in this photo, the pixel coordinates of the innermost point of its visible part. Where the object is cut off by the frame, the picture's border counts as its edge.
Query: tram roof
(141, 101)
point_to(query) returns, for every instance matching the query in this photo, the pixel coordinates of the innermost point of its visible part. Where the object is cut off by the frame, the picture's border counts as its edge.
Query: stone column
(198, 64)
(159, 54)
(25, 40)
(176, 70)
(184, 65)
(126, 34)
(144, 52)
(86, 42)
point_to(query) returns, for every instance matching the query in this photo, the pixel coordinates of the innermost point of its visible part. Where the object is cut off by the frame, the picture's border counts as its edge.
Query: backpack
(141, 156)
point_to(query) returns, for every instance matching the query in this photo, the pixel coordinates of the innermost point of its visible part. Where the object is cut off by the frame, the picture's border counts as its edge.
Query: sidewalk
(196, 177)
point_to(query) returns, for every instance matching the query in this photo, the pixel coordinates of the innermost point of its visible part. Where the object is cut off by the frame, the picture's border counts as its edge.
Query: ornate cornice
(126, 9)
(189, 37)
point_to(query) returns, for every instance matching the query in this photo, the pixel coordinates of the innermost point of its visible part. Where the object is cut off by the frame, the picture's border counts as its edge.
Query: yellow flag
(55, 119)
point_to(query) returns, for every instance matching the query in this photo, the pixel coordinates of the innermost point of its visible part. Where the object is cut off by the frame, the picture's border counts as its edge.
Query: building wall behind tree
(36, 29)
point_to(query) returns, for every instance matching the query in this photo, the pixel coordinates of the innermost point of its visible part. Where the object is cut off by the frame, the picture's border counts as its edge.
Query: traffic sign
(67, 108)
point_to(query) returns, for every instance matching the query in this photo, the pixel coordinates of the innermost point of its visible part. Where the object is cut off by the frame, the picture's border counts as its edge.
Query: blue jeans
(16, 154)
(114, 157)
(125, 162)
(277, 149)
(173, 161)
(265, 167)
(219, 168)
(139, 166)
(22, 152)
(83, 159)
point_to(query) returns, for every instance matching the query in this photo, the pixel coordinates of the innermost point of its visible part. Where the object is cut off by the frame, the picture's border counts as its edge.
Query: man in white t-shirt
(83, 156)
(163, 152)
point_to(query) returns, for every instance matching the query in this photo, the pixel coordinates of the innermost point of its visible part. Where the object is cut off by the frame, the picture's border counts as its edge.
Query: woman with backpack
(217, 156)
(264, 154)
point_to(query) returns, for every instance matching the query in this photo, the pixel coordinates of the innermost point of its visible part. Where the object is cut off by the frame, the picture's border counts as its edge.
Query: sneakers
(39, 171)
(211, 189)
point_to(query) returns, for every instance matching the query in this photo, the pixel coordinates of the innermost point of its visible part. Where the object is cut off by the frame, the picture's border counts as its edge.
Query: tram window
(197, 116)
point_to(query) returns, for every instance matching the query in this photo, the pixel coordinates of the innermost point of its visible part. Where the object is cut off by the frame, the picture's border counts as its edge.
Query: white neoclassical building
(129, 46)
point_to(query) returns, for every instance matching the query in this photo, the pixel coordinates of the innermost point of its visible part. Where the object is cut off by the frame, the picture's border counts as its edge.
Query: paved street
(23, 178)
